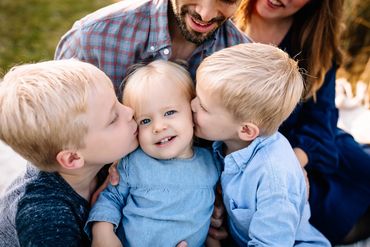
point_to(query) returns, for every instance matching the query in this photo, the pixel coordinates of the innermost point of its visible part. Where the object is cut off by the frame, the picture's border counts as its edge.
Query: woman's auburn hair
(316, 41)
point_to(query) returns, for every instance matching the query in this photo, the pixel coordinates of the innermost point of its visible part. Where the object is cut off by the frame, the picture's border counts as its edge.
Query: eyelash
(115, 118)
(169, 113)
(204, 109)
(143, 122)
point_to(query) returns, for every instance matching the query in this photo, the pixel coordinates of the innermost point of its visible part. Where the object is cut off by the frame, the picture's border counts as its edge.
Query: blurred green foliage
(31, 29)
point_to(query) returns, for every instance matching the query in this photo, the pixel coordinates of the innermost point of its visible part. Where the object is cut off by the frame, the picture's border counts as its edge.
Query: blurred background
(30, 30)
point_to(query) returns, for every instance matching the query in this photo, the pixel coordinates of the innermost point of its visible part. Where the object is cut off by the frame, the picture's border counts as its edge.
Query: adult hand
(112, 178)
(217, 231)
(301, 156)
(113, 174)
(307, 182)
(211, 242)
(303, 160)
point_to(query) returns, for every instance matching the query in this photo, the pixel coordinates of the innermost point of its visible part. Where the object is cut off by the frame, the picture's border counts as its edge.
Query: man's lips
(199, 26)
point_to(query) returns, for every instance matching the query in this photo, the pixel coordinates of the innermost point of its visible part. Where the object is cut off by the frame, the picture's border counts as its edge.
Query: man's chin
(195, 37)
(199, 39)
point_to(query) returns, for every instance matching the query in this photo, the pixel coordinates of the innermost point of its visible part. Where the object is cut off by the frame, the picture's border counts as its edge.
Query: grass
(31, 29)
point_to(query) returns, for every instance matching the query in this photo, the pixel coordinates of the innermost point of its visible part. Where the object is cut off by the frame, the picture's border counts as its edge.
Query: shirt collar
(239, 159)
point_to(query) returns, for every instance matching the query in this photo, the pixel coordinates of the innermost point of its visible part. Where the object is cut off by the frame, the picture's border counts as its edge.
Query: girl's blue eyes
(169, 113)
(144, 121)
(148, 121)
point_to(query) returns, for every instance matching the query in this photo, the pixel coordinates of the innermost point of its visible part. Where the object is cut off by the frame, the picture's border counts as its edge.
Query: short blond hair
(143, 77)
(257, 83)
(43, 108)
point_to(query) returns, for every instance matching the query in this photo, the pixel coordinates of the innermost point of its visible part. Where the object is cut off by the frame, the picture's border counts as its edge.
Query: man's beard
(193, 36)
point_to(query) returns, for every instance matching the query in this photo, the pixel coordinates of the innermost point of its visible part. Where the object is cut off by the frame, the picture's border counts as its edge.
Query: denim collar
(239, 159)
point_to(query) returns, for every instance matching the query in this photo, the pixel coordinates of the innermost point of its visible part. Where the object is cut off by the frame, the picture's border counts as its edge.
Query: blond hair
(43, 108)
(255, 82)
(315, 41)
(143, 77)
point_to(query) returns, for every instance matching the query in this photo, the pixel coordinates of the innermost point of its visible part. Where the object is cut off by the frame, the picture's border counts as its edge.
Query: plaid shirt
(132, 31)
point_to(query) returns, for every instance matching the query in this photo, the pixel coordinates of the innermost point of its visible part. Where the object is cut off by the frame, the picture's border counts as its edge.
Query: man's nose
(207, 10)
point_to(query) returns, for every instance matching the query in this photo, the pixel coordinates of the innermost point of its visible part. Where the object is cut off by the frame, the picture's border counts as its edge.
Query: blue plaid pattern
(132, 31)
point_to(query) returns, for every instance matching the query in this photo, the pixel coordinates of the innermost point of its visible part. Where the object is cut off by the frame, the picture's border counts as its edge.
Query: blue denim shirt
(264, 193)
(160, 202)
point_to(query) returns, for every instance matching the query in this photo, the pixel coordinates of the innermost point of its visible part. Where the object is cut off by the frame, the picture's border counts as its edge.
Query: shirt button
(166, 51)
(152, 48)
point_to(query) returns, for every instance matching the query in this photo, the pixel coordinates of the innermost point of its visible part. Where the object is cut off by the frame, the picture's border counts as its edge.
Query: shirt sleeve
(109, 206)
(316, 126)
(49, 223)
(70, 45)
(276, 220)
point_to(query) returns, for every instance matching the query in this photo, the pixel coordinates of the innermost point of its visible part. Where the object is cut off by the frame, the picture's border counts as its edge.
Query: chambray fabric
(265, 196)
(133, 31)
(160, 202)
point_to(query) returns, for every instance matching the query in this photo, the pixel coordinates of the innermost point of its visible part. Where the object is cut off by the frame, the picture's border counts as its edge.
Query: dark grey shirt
(41, 209)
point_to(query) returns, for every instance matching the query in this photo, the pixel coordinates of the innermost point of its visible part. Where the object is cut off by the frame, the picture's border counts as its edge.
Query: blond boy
(63, 117)
(244, 93)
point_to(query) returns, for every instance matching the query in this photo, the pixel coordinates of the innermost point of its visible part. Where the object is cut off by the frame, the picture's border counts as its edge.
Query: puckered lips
(165, 141)
(200, 26)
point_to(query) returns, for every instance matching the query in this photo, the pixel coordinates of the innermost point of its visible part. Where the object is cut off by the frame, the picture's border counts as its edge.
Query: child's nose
(159, 126)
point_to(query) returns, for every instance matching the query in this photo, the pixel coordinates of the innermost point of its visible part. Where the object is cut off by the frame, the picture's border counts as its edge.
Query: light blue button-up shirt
(264, 193)
(160, 202)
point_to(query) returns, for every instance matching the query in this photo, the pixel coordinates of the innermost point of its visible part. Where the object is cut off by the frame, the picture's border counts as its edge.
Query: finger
(218, 233)
(307, 182)
(218, 211)
(113, 174)
(219, 188)
(216, 223)
(96, 194)
(211, 242)
(182, 244)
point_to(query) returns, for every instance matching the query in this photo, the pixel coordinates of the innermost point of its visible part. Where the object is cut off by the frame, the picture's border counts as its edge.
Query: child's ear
(248, 131)
(69, 159)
